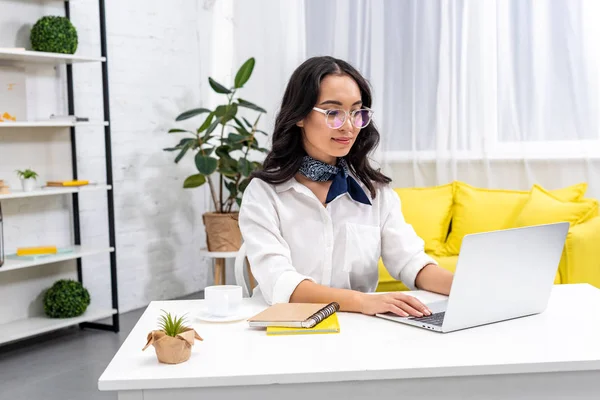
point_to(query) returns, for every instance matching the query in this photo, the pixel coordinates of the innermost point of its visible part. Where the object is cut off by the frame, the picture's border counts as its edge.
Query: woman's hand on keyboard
(398, 303)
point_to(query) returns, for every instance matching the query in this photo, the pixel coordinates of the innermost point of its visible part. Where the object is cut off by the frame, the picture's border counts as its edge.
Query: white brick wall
(157, 68)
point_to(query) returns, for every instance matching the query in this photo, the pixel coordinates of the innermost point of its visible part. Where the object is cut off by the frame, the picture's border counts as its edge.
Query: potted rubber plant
(28, 179)
(222, 148)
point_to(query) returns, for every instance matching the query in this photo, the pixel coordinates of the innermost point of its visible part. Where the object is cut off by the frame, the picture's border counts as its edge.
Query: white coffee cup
(222, 300)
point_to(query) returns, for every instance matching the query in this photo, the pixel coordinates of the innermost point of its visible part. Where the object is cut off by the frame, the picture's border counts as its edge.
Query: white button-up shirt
(290, 236)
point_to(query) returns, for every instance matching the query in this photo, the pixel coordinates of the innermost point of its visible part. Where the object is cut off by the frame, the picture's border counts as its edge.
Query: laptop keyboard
(434, 319)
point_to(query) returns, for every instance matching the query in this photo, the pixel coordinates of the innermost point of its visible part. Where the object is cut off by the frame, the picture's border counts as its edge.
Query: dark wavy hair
(302, 93)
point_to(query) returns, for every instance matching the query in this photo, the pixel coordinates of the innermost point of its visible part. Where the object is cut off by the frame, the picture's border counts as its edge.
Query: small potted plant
(28, 178)
(173, 341)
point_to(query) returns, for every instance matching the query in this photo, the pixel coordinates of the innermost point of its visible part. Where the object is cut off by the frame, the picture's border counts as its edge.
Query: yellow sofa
(443, 215)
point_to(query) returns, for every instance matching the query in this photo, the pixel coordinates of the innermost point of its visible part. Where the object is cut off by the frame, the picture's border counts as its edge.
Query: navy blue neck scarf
(342, 182)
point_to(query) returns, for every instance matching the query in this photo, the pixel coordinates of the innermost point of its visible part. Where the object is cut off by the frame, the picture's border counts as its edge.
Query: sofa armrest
(581, 256)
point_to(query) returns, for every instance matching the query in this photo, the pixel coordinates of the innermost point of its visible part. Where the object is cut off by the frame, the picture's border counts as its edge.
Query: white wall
(158, 63)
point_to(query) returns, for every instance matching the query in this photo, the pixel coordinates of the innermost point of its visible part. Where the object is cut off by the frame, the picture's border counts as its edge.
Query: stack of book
(67, 183)
(298, 319)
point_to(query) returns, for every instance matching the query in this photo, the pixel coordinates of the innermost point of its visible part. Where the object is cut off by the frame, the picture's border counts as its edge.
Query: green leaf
(244, 73)
(235, 138)
(217, 87)
(236, 146)
(213, 125)
(194, 181)
(242, 131)
(191, 113)
(231, 187)
(244, 184)
(247, 123)
(228, 172)
(223, 150)
(229, 113)
(207, 151)
(205, 165)
(228, 167)
(177, 130)
(263, 132)
(252, 106)
(238, 201)
(220, 111)
(171, 148)
(206, 123)
(184, 141)
(184, 150)
(245, 167)
(237, 121)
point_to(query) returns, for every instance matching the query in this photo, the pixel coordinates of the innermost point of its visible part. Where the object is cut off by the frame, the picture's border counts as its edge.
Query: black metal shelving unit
(109, 177)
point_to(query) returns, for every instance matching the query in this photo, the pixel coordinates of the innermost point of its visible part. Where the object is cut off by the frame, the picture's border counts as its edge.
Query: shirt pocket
(362, 248)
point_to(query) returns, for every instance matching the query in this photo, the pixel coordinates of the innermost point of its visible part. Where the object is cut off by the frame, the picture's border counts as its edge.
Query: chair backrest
(240, 264)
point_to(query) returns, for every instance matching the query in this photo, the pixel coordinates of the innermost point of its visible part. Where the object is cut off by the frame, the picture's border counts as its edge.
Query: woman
(317, 217)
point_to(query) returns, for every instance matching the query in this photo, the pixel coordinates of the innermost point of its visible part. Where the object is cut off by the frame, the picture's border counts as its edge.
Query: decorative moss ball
(66, 299)
(54, 34)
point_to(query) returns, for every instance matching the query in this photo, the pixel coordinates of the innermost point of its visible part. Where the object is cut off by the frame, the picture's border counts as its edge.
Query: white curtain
(498, 93)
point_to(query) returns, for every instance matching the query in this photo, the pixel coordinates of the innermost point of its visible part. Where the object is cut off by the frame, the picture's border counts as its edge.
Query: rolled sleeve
(267, 251)
(285, 286)
(402, 250)
(408, 274)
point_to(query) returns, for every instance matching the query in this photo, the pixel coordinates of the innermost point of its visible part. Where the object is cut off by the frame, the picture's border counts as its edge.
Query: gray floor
(63, 365)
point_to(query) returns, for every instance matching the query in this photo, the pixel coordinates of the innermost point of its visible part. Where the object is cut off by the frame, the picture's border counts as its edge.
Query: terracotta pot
(172, 350)
(222, 231)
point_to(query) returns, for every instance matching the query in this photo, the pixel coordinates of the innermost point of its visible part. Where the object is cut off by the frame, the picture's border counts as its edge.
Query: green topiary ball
(54, 34)
(66, 299)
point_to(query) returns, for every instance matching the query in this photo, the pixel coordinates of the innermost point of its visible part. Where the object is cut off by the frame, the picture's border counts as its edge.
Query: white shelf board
(15, 330)
(40, 57)
(78, 252)
(50, 124)
(54, 191)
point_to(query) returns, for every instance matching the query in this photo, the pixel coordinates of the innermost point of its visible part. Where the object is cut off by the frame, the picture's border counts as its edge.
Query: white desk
(554, 355)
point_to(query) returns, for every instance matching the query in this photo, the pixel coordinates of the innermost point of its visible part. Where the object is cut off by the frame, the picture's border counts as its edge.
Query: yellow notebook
(328, 325)
(67, 183)
(29, 251)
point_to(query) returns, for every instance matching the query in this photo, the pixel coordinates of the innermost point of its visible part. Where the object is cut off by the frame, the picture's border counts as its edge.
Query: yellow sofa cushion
(542, 207)
(478, 210)
(428, 210)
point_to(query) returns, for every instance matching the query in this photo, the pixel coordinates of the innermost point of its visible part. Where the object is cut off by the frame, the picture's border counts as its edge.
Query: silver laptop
(500, 275)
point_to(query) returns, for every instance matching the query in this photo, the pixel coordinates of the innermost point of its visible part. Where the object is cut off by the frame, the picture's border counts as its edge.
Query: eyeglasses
(335, 119)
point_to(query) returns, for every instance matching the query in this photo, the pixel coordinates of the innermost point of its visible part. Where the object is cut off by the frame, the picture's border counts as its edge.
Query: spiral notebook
(327, 326)
(293, 315)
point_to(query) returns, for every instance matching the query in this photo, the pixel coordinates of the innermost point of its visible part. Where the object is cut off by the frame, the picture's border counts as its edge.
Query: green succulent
(172, 325)
(66, 299)
(54, 34)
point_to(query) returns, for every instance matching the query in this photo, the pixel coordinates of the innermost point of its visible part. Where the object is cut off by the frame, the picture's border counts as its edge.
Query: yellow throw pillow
(428, 210)
(544, 207)
(569, 193)
(478, 210)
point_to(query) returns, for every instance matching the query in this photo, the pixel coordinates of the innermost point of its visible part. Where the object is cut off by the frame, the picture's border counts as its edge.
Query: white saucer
(240, 315)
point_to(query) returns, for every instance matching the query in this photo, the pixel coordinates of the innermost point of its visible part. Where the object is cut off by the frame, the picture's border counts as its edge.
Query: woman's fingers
(407, 308)
(397, 310)
(414, 303)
